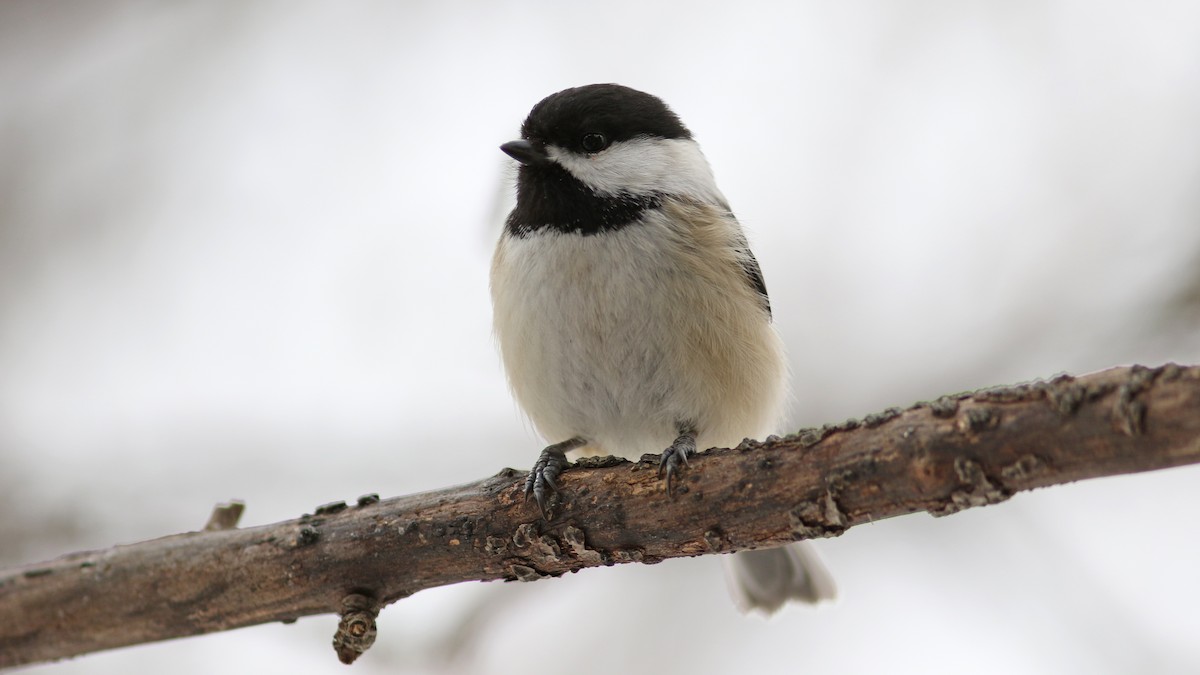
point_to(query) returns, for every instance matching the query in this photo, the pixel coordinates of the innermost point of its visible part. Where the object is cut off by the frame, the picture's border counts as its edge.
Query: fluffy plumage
(619, 338)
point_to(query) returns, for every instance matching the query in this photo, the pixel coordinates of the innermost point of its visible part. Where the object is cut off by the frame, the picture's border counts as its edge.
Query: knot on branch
(812, 519)
(1128, 412)
(225, 516)
(531, 555)
(976, 489)
(356, 630)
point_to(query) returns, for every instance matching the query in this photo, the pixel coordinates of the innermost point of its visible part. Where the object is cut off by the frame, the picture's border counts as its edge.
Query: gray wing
(755, 277)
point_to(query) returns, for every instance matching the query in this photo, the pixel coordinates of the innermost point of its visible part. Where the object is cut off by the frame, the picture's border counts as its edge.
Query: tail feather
(765, 579)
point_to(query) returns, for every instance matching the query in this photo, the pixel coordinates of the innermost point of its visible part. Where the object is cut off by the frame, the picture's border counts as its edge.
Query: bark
(941, 457)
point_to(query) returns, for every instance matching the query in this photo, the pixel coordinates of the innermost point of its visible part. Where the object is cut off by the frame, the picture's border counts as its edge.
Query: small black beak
(525, 152)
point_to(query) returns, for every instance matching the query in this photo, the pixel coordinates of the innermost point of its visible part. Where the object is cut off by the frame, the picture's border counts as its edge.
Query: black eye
(594, 142)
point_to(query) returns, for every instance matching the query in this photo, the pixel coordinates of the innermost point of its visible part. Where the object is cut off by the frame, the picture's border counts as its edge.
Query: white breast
(619, 337)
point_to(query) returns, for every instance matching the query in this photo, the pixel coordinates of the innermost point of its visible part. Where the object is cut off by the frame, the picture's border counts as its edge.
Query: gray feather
(765, 579)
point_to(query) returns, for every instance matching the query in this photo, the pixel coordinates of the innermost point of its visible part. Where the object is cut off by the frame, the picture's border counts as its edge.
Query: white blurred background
(244, 251)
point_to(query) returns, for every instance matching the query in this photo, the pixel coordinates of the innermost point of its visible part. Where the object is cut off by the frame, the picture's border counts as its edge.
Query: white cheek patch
(644, 166)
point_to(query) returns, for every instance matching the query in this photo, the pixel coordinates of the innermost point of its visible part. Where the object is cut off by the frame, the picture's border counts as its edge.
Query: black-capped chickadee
(631, 315)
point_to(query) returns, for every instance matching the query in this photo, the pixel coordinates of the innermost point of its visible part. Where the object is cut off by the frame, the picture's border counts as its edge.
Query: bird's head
(594, 157)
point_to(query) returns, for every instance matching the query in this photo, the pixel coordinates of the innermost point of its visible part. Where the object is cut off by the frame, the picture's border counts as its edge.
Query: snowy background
(244, 251)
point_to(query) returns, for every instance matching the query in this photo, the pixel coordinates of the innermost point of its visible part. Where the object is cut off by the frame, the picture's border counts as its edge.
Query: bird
(630, 314)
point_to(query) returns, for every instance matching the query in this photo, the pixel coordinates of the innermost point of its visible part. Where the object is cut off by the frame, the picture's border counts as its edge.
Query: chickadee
(630, 313)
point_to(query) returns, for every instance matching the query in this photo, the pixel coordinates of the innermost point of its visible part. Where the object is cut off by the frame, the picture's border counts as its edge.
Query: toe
(668, 466)
(539, 495)
(544, 476)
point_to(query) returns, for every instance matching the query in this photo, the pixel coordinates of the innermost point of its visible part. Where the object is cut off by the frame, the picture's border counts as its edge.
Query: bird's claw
(674, 456)
(549, 465)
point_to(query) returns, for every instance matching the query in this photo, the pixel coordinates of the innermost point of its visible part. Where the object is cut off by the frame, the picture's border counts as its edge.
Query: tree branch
(941, 457)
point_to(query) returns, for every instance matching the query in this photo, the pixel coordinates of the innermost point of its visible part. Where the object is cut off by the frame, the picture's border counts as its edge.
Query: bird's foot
(676, 456)
(549, 465)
